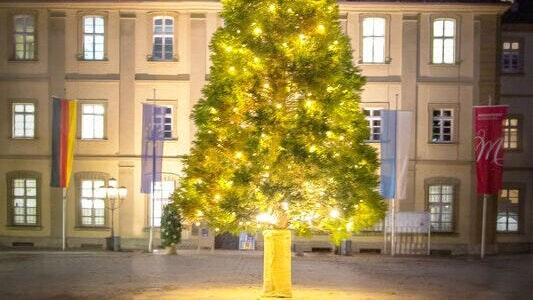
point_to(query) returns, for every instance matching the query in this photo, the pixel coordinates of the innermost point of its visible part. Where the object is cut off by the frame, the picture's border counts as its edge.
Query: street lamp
(114, 196)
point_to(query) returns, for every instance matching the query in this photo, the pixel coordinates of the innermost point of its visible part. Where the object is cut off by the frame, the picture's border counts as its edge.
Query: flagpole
(64, 219)
(393, 208)
(151, 242)
(393, 229)
(484, 217)
(484, 225)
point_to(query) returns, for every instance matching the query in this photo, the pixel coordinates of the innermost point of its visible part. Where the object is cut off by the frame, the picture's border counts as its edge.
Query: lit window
(440, 202)
(92, 203)
(92, 121)
(93, 37)
(373, 116)
(23, 120)
(163, 42)
(24, 201)
(508, 210)
(444, 41)
(511, 57)
(511, 133)
(374, 40)
(162, 192)
(24, 35)
(442, 127)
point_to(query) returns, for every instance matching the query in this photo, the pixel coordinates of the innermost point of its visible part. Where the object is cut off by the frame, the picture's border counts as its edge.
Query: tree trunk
(277, 280)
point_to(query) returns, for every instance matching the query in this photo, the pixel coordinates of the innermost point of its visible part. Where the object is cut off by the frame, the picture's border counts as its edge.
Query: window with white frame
(508, 217)
(24, 37)
(442, 126)
(443, 41)
(92, 121)
(161, 197)
(24, 201)
(93, 37)
(92, 202)
(373, 40)
(163, 38)
(440, 205)
(23, 122)
(373, 117)
(511, 133)
(512, 57)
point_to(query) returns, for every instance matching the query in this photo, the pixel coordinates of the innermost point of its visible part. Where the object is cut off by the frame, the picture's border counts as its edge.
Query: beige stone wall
(127, 79)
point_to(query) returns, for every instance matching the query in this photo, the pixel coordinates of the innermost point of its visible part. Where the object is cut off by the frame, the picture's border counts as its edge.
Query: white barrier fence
(412, 234)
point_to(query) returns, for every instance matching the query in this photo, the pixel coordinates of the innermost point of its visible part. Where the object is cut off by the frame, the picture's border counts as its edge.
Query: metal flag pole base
(484, 225)
(393, 228)
(64, 220)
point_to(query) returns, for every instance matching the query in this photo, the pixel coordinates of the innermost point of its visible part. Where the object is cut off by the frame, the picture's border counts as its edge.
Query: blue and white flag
(152, 145)
(396, 131)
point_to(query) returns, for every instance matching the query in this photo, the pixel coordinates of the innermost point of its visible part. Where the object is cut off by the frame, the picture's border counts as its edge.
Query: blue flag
(395, 140)
(152, 145)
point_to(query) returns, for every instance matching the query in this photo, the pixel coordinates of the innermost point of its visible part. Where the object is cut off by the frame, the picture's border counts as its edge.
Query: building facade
(437, 59)
(514, 227)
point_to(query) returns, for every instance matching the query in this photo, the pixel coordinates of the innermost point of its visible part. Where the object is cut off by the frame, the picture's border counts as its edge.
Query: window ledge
(511, 74)
(513, 150)
(171, 140)
(443, 143)
(23, 60)
(174, 59)
(372, 142)
(81, 59)
(25, 227)
(23, 138)
(386, 63)
(510, 233)
(455, 64)
(93, 140)
(92, 228)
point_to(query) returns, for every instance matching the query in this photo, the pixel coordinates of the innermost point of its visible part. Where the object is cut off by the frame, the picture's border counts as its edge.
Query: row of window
(93, 39)
(93, 124)
(24, 199)
(443, 125)
(373, 37)
(92, 121)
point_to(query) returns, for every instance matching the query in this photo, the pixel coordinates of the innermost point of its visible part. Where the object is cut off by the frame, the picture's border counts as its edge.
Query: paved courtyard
(237, 275)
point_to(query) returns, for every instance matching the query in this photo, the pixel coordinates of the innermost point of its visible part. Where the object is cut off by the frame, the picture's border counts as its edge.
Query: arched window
(24, 197)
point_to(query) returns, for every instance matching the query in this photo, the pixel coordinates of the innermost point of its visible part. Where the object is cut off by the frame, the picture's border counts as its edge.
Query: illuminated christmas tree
(281, 137)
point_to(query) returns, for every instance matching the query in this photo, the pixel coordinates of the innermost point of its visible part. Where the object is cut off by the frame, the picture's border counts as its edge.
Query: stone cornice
(214, 5)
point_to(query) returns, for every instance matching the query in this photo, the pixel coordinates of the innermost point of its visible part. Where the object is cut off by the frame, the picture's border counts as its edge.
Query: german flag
(63, 139)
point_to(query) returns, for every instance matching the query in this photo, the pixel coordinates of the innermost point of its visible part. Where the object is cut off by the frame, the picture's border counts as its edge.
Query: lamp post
(114, 196)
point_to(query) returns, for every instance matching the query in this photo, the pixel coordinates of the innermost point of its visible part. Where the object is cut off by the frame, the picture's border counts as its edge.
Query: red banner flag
(488, 147)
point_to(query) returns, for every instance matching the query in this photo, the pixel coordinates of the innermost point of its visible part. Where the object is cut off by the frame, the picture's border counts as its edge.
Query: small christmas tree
(281, 137)
(170, 227)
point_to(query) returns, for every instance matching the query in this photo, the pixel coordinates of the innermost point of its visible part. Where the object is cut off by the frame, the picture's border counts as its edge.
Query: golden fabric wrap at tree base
(277, 281)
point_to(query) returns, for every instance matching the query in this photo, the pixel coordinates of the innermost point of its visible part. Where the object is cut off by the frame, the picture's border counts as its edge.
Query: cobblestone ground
(237, 275)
